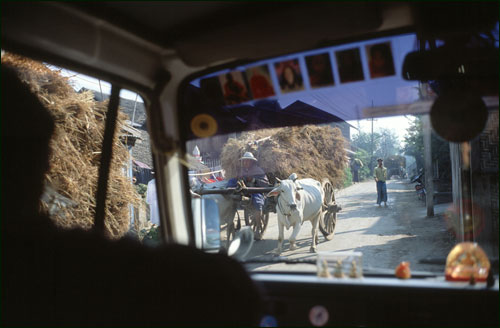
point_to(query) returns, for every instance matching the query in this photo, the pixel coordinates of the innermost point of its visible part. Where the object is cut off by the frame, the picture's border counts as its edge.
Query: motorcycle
(420, 187)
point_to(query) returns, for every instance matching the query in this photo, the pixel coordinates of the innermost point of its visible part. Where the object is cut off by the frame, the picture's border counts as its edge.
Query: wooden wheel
(328, 190)
(259, 226)
(328, 219)
(231, 232)
(233, 228)
(246, 214)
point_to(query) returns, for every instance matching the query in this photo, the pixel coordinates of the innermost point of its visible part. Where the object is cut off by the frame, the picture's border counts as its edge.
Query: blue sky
(79, 81)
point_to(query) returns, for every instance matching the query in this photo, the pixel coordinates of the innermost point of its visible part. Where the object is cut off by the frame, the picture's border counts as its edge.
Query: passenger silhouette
(53, 277)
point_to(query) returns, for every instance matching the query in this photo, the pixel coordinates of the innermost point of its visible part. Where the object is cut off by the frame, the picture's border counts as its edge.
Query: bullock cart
(240, 198)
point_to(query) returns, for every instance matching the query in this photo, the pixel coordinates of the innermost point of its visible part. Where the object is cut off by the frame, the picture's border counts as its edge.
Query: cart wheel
(247, 217)
(327, 187)
(328, 219)
(327, 224)
(232, 229)
(231, 232)
(259, 226)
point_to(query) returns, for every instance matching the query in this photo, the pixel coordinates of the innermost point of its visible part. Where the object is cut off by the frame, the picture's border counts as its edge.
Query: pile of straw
(76, 150)
(310, 151)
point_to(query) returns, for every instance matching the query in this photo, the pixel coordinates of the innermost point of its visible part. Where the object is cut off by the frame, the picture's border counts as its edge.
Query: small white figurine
(323, 272)
(338, 273)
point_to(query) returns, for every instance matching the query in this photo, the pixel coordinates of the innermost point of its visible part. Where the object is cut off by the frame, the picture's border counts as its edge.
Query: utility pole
(466, 212)
(100, 88)
(135, 106)
(371, 146)
(429, 183)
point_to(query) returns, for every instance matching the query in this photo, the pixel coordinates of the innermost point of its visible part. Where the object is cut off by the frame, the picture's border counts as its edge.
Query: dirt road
(385, 236)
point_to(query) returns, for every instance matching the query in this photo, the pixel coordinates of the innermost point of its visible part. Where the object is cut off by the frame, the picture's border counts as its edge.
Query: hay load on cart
(316, 152)
(71, 181)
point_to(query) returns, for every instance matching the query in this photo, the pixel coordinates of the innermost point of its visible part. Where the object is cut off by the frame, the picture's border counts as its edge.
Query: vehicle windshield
(332, 150)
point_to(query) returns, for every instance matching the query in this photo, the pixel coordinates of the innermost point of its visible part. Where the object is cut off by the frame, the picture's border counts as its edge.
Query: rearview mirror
(449, 62)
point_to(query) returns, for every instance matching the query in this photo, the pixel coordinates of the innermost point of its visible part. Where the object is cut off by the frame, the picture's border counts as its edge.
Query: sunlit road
(385, 236)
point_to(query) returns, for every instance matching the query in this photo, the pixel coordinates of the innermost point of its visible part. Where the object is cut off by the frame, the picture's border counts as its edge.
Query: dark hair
(297, 78)
(232, 85)
(385, 51)
(323, 76)
(349, 65)
(383, 48)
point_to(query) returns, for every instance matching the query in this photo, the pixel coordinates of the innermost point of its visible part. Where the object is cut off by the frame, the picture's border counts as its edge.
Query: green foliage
(141, 189)
(365, 148)
(414, 146)
(347, 177)
(150, 236)
(388, 144)
(385, 143)
(363, 141)
(414, 141)
(364, 157)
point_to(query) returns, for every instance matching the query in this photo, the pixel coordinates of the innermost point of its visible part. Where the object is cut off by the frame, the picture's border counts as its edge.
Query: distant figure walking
(380, 178)
(356, 166)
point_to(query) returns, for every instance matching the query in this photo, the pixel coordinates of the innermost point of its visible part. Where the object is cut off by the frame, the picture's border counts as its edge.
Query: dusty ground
(385, 236)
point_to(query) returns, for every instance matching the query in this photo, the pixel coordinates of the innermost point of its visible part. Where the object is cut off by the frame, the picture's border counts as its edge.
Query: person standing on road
(380, 178)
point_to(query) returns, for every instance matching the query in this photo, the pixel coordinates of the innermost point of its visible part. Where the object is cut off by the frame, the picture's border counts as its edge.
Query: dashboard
(304, 300)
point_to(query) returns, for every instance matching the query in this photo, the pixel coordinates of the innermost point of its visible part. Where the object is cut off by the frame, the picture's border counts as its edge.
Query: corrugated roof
(141, 164)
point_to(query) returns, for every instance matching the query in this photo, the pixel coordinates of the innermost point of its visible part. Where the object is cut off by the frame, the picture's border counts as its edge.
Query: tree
(364, 157)
(385, 144)
(414, 142)
(414, 146)
(363, 141)
(388, 144)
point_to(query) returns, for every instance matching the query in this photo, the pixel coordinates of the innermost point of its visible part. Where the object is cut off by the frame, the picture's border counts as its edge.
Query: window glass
(392, 186)
(144, 214)
(78, 104)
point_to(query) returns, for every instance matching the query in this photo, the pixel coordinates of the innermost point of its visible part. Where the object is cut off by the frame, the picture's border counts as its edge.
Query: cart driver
(253, 176)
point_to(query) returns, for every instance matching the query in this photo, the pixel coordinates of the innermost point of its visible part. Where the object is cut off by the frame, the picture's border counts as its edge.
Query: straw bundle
(310, 151)
(76, 150)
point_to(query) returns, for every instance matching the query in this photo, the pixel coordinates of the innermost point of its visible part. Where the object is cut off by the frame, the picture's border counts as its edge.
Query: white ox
(298, 201)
